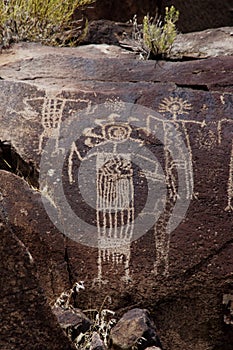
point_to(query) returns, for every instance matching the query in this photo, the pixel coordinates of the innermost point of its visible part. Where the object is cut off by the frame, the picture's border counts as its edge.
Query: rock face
(27, 320)
(194, 16)
(207, 43)
(181, 275)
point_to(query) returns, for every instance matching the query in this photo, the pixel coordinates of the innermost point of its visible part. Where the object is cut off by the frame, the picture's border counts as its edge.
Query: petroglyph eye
(118, 132)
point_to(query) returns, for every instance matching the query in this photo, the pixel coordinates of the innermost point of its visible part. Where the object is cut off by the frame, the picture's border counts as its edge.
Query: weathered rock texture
(26, 318)
(134, 329)
(180, 278)
(194, 15)
(207, 43)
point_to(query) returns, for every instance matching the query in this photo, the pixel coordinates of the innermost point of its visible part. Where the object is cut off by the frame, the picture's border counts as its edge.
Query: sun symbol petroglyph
(175, 106)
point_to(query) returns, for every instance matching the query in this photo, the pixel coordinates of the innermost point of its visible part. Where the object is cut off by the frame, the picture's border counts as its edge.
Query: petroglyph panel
(129, 167)
(118, 176)
(121, 187)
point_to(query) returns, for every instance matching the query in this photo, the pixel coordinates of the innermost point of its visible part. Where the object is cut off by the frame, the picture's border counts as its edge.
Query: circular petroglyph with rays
(175, 106)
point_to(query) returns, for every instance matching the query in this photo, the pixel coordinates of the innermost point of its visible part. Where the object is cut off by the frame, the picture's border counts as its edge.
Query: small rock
(72, 321)
(134, 329)
(96, 342)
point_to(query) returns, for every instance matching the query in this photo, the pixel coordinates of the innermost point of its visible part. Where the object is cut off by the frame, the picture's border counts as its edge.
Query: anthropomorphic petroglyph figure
(114, 194)
(52, 109)
(115, 205)
(52, 113)
(175, 132)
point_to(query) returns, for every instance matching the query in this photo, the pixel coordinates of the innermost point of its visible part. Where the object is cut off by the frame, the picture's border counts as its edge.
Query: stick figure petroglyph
(175, 107)
(175, 158)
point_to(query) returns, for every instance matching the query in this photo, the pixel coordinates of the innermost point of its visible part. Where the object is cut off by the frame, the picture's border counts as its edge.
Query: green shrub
(157, 37)
(48, 21)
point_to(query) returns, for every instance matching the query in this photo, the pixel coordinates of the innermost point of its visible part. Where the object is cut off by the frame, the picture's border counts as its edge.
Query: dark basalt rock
(96, 342)
(27, 320)
(182, 277)
(134, 329)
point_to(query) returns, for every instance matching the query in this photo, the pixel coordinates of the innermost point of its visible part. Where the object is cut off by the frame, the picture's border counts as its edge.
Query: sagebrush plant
(47, 21)
(154, 38)
(158, 37)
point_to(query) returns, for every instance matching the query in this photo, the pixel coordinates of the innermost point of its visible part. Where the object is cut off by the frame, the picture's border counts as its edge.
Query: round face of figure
(117, 132)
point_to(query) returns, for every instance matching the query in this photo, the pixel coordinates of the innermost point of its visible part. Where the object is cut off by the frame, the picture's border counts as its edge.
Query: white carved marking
(115, 208)
(229, 206)
(174, 106)
(115, 191)
(74, 150)
(206, 139)
(52, 112)
(230, 184)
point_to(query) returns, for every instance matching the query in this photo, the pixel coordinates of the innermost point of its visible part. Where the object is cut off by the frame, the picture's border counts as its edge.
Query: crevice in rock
(194, 269)
(183, 59)
(193, 87)
(12, 162)
(31, 78)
